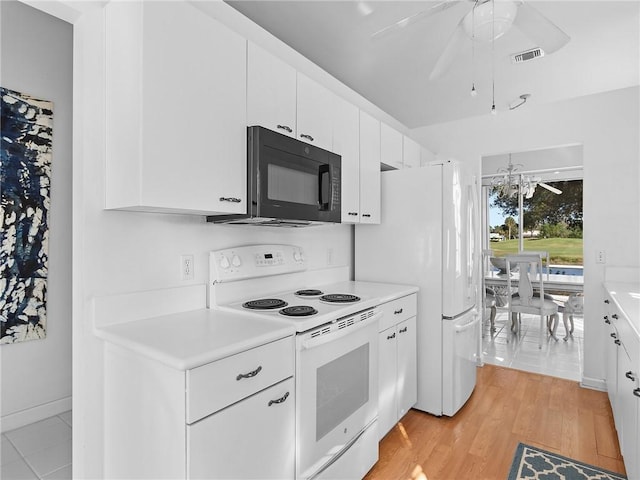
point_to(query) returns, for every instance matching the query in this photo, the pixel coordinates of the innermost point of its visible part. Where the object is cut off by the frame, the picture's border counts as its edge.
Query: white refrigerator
(428, 237)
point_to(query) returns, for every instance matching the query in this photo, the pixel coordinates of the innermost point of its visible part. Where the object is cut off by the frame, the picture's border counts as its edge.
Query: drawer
(216, 385)
(398, 311)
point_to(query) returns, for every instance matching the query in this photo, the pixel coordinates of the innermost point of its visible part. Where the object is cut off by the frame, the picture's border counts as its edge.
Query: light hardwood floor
(508, 406)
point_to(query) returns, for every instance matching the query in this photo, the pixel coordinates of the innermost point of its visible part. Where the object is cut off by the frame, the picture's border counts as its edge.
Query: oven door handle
(322, 339)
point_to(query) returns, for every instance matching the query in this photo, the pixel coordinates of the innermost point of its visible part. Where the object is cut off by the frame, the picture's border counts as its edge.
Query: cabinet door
(176, 116)
(346, 143)
(314, 116)
(390, 146)
(271, 92)
(369, 169)
(407, 388)
(252, 439)
(410, 153)
(387, 375)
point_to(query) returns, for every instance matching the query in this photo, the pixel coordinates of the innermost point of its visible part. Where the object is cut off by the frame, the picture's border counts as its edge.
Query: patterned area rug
(533, 463)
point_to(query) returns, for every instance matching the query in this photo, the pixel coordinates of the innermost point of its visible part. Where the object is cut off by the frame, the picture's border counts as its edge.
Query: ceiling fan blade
(454, 45)
(542, 31)
(550, 188)
(400, 24)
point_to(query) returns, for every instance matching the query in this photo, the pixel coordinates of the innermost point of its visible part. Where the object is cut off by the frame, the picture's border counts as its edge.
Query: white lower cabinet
(233, 418)
(623, 382)
(254, 438)
(397, 362)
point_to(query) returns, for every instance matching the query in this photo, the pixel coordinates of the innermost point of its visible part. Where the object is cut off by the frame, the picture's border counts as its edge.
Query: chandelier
(508, 182)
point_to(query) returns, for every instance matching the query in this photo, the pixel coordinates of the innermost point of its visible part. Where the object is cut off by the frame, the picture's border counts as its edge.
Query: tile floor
(41, 450)
(520, 351)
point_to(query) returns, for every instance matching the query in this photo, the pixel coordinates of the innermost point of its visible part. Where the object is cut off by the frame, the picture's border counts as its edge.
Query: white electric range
(336, 373)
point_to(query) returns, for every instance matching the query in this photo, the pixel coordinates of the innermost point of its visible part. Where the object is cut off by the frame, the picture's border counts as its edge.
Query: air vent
(528, 55)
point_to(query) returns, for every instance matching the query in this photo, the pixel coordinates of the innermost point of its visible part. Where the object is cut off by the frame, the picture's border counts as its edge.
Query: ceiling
(392, 70)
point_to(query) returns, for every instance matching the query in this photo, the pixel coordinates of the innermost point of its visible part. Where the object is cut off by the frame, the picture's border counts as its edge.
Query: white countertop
(627, 299)
(189, 339)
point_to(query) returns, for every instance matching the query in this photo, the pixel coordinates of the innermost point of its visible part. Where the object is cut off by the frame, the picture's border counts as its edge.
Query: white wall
(608, 126)
(36, 59)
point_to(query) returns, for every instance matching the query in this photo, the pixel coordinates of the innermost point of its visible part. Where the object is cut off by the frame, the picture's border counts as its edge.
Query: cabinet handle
(606, 301)
(353, 213)
(396, 312)
(285, 128)
(636, 392)
(606, 320)
(617, 342)
(250, 374)
(230, 199)
(403, 330)
(278, 400)
(392, 336)
(308, 137)
(366, 214)
(630, 376)
(615, 315)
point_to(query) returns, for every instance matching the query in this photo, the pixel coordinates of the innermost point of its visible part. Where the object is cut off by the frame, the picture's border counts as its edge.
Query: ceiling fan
(486, 21)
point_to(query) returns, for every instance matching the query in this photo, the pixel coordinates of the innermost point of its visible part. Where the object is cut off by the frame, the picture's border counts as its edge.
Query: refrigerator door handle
(467, 326)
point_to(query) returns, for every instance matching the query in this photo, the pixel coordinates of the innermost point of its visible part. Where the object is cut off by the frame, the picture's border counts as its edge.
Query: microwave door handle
(322, 171)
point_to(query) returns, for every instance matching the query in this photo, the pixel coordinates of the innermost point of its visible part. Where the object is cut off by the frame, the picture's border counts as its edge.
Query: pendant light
(474, 92)
(493, 59)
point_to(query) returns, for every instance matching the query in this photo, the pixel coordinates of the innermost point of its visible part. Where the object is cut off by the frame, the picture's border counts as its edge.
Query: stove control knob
(224, 262)
(235, 261)
(297, 256)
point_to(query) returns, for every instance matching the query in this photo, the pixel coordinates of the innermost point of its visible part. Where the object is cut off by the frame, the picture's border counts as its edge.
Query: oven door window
(342, 388)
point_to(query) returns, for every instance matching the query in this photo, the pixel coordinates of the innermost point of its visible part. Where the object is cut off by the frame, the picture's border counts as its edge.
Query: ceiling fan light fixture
(485, 24)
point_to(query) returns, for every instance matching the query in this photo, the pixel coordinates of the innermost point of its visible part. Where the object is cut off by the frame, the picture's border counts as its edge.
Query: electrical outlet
(329, 256)
(186, 267)
(601, 256)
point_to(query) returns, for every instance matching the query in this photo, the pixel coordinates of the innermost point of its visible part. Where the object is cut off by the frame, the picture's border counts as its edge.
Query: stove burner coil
(339, 298)
(298, 311)
(309, 293)
(265, 304)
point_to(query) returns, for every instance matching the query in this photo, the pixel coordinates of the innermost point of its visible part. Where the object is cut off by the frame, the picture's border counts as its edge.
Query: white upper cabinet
(390, 146)
(176, 111)
(346, 143)
(369, 169)
(271, 92)
(410, 153)
(314, 116)
(286, 101)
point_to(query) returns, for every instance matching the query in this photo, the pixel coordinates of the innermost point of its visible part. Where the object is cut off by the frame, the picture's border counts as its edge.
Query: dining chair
(489, 300)
(526, 291)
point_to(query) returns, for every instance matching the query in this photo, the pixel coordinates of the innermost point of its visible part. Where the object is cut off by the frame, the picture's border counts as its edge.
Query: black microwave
(289, 182)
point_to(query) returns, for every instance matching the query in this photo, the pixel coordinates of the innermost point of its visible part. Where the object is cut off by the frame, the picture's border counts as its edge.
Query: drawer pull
(250, 374)
(636, 392)
(286, 128)
(392, 336)
(630, 376)
(613, 335)
(403, 330)
(308, 137)
(279, 400)
(397, 312)
(368, 215)
(230, 199)
(353, 213)
(614, 316)
(606, 320)
(606, 301)
(617, 342)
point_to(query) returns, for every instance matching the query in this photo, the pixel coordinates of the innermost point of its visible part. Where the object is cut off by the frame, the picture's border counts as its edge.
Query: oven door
(337, 393)
(293, 180)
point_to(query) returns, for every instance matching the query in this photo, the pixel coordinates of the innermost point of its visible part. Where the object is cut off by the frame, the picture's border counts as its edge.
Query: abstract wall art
(25, 177)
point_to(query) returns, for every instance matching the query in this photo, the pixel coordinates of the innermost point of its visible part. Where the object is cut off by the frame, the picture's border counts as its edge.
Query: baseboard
(34, 414)
(594, 384)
